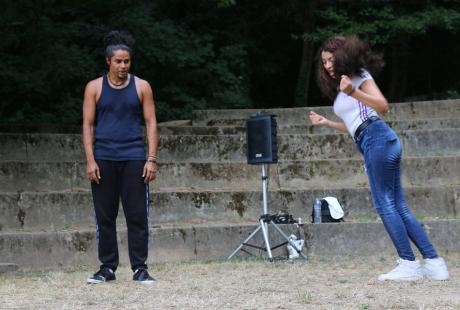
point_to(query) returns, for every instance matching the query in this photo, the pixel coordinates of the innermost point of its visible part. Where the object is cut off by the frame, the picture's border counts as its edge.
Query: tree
(216, 53)
(395, 27)
(52, 49)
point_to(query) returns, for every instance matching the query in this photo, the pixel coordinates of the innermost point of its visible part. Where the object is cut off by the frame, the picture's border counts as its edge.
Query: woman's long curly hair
(351, 55)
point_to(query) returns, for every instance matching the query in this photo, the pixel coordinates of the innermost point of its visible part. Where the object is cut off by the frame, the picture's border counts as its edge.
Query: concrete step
(415, 143)
(428, 171)
(186, 127)
(417, 171)
(302, 147)
(227, 148)
(39, 128)
(34, 211)
(204, 242)
(398, 111)
(41, 146)
(302, 129)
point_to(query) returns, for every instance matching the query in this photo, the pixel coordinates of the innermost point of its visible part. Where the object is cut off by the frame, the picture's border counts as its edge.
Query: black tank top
(118, 131)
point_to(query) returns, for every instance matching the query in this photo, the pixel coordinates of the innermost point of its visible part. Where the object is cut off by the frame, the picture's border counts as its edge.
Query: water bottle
(317, 211)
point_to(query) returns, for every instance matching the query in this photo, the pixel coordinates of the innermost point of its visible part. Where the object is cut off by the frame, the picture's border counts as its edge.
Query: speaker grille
(262, 146)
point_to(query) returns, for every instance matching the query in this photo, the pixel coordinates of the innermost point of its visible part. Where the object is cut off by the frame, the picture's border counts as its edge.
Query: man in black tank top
(114, 107)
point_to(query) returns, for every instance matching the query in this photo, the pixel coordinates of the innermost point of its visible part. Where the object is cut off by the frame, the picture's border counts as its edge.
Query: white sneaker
(435, 269)
(405, 271)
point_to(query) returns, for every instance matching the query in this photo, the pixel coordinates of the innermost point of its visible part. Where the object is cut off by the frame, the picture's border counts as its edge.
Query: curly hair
(351, 56)
(117, 40)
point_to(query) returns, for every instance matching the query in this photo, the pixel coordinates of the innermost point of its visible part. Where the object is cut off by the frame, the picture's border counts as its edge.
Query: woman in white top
(344, 76)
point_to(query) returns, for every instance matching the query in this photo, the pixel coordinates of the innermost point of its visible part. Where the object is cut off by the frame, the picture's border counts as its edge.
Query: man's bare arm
(148, 107)
(89, 116)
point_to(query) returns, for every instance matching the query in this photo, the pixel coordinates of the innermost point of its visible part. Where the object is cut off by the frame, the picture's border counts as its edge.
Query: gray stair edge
(32, 211)
(232, 148)
(400, 104)
(8, 267)
(297, 174)
(65, 249)
(419, 108)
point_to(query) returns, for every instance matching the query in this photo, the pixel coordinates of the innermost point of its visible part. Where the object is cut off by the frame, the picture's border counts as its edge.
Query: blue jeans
(381, 149)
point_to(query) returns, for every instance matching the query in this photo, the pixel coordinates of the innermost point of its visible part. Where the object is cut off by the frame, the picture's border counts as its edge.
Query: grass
(332, 282)
(304, 297)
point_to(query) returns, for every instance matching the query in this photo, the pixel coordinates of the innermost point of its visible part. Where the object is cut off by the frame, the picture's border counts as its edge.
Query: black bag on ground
(326, 216)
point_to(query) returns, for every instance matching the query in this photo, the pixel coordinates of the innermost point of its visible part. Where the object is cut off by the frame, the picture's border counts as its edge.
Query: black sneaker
(141, 275)
(103, 275)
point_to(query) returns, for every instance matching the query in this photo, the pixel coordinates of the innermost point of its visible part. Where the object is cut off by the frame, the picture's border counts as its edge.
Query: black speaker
(261, 139)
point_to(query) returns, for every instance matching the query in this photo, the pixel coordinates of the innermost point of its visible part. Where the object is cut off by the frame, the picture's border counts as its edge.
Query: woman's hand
(345, 85)
(318, 120)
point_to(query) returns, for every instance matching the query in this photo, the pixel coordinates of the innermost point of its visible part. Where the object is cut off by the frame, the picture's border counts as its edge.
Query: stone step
(35, 211)
(302, 147)
(398, 111)
(39, 128)
(8, 267)
(48, 176)
(302, 129)
(215, 148)
(186, 128)
(204, 242)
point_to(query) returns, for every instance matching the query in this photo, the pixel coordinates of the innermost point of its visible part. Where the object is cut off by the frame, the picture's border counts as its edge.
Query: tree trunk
(398, 84)
(308, 55)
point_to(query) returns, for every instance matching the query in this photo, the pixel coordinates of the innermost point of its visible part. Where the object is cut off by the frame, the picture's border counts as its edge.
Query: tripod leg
(267, 243)
(288, 240)
(245, 241)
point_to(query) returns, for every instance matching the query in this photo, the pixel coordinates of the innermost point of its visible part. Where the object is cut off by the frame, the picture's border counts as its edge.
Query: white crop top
(350, 110)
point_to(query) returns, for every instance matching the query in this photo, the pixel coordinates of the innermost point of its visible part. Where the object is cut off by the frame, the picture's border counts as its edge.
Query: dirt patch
(341, 282)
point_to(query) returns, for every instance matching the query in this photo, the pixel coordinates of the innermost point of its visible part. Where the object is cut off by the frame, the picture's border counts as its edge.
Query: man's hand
(150, 171)
(92, 171)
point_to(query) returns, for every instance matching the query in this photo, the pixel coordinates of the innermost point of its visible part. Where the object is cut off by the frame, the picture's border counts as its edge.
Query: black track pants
(121, 179)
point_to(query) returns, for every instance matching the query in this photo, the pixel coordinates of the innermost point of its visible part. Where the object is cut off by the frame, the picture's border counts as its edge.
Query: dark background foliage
(217, 53)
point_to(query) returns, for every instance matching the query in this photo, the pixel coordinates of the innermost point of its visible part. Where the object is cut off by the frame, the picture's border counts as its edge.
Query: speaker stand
(265, 221)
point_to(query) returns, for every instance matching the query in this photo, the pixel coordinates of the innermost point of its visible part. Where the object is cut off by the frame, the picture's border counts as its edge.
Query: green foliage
(383, 21)
(211, 53)
(188, 71)
(189, 68)
(416, 37)
(51, 50)
(45, 63)
(225, 3)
